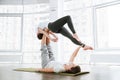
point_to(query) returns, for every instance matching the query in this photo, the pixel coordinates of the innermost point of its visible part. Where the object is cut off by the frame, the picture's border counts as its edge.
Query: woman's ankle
(76, 37)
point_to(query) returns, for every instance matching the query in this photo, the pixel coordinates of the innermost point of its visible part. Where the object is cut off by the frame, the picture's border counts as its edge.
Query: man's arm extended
(74, 54)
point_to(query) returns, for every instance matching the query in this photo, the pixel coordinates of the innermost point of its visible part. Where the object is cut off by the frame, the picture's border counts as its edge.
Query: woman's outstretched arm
(43, 32)
(53, 35)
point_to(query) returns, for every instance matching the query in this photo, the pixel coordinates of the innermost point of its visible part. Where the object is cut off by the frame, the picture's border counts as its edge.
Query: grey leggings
(57, 27)
(46, 54)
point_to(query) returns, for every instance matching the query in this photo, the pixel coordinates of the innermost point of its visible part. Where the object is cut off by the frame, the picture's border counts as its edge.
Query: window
(107, 26)
(18, 24)
(10, 27)
(11, 9)
(36, 8)
(33, 15)
(80, 13)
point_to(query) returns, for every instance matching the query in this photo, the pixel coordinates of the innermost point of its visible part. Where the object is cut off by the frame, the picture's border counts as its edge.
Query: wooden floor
(97, 72)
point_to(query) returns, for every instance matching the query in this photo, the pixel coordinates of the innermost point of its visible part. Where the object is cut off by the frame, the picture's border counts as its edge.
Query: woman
(58, 27)
(48, 61)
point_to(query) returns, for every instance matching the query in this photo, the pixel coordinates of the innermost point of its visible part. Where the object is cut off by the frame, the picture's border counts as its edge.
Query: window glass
(107, 27)
(10, 33)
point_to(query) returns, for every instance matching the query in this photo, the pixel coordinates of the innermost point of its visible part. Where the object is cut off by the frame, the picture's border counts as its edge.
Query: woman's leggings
(57, 27)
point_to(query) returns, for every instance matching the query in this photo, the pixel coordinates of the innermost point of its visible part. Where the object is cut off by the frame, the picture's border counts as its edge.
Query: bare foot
(76, 37)
(88, 48)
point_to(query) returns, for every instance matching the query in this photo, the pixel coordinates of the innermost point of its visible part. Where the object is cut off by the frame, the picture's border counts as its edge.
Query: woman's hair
(39, 36)
(74, 70)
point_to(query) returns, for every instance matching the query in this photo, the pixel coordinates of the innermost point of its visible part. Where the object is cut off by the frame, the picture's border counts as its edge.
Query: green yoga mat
(34, 70)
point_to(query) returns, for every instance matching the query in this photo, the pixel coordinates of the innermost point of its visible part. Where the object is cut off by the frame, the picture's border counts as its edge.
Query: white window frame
(95, 25)
(14, 15)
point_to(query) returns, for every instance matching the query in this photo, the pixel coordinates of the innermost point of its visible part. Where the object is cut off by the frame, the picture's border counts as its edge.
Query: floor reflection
(97, 72)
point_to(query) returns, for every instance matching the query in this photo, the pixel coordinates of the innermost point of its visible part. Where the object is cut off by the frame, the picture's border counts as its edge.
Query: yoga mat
(35, 70)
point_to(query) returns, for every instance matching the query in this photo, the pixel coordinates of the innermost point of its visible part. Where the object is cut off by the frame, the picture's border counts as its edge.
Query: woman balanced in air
(58, 27)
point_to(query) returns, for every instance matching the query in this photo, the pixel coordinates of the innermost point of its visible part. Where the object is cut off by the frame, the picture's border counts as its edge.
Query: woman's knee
(68, 16)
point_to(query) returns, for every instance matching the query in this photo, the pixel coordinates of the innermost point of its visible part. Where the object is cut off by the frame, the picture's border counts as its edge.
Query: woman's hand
(55, 39)
(47, 33)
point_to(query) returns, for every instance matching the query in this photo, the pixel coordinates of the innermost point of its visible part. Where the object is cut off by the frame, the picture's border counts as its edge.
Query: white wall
(105, 57)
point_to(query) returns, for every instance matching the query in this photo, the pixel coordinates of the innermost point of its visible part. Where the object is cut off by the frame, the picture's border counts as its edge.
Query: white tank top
(57, 66)
(43, 24)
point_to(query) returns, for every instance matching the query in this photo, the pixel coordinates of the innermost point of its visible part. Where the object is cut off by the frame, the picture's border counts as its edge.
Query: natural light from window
(108, 27)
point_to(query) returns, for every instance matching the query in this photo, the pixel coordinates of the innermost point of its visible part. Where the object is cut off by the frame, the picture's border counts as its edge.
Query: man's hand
(54, 39)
